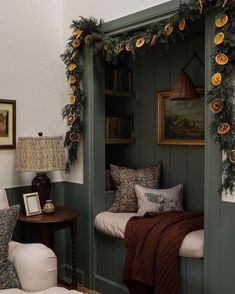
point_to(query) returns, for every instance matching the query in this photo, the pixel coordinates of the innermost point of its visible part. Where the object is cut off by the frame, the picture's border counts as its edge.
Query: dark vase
(42, 184)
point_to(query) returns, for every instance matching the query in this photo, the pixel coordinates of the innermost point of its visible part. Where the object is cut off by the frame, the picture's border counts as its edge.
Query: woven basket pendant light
(184, 88)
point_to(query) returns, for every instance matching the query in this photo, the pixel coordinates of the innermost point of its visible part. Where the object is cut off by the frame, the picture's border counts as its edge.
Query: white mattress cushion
(114, 224)
(193, 245)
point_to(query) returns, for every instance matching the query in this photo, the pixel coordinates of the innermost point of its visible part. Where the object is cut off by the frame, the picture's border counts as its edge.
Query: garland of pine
(88, 32)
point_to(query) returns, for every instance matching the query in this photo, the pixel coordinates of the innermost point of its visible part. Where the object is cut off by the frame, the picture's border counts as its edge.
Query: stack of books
(119, 127)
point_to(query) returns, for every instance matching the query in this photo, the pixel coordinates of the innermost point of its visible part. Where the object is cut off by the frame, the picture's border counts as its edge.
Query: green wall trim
(142, 18)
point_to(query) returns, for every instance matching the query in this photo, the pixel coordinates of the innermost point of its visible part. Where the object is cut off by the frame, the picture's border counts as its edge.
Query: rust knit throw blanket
(153, 242)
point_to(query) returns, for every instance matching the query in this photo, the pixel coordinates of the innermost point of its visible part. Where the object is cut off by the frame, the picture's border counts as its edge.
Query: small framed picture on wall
(32, 204)
(7, 124)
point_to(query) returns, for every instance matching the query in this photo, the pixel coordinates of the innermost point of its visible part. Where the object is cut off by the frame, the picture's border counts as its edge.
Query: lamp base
(42, 184)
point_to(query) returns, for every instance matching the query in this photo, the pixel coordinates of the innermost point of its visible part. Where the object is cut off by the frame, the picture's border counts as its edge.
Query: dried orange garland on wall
(88, 32)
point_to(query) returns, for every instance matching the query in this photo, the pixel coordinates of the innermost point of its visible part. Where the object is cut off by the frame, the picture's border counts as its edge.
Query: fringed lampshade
(184, 88)
(40, 155)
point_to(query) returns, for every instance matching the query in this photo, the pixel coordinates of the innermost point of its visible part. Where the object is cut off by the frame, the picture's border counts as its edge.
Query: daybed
(113, 224)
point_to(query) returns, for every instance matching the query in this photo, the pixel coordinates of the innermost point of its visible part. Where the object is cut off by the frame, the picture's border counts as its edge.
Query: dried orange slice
(73, 55)
(71, 119)
(154, 40)
(200, 6)
(223, 129)
(225, 3)
(108, 47)
(182, 24)
(140, 42)
(88, 40)
(216, 79)
(72, 79)
(168, 29)
(220, 22)
(219, 38)
(128, 47)
(216, 106)
(74, 137)
(232, 156)
(221, 59)
(76, 43)
(73, 89)
(77, 34)
(72, 99)
(119, 47)
(72, 66)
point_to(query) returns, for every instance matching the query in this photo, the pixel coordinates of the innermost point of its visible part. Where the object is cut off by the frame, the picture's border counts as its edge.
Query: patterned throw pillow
(159, 200)
(125, 179)
(8, 275)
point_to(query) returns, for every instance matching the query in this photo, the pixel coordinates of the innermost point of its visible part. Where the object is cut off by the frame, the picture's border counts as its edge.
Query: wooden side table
(47, 224)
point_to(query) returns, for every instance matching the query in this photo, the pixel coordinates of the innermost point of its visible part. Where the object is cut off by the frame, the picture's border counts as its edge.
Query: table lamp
(40, 154)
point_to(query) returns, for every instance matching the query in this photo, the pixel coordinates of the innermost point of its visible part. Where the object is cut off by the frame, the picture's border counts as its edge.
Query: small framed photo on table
(32, 204)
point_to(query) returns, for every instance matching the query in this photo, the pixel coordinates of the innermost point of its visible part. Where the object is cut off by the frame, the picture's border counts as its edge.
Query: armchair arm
(36, 265)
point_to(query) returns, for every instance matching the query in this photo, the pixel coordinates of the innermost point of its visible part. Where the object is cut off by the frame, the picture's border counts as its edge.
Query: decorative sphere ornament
(48, 207)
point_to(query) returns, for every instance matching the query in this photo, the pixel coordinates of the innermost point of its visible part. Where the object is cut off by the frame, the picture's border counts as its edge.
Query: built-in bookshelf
(119, 122)
(119, 113)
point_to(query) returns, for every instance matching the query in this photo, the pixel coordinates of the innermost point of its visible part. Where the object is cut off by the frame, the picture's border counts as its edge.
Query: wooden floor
(88, 291)
(81, 289)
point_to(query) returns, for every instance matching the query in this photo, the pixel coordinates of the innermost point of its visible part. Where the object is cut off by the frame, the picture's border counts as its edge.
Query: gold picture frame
(32, 204)
(7, 124)
(180, 122)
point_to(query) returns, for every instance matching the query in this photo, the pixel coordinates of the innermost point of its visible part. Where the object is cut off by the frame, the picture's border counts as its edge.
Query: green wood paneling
(154, 72)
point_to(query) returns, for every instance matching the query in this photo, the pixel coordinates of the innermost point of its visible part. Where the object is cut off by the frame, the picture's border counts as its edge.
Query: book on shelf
(118, 80)
(119, 127)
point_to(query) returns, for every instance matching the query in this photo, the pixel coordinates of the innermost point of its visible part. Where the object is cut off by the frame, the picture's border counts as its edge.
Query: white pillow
(159, 200)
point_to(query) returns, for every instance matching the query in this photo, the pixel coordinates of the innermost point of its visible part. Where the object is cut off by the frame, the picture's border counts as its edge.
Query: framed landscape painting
(180, 122)
(7, 124)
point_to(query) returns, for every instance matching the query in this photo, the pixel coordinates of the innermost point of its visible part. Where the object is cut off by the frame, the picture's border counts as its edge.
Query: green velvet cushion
(8, 275)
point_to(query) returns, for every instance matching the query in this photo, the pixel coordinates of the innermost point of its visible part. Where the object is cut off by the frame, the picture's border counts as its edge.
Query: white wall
(33, 35)
(31, 72)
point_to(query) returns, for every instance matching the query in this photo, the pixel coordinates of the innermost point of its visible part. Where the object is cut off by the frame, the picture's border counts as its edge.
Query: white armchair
(35, 264)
